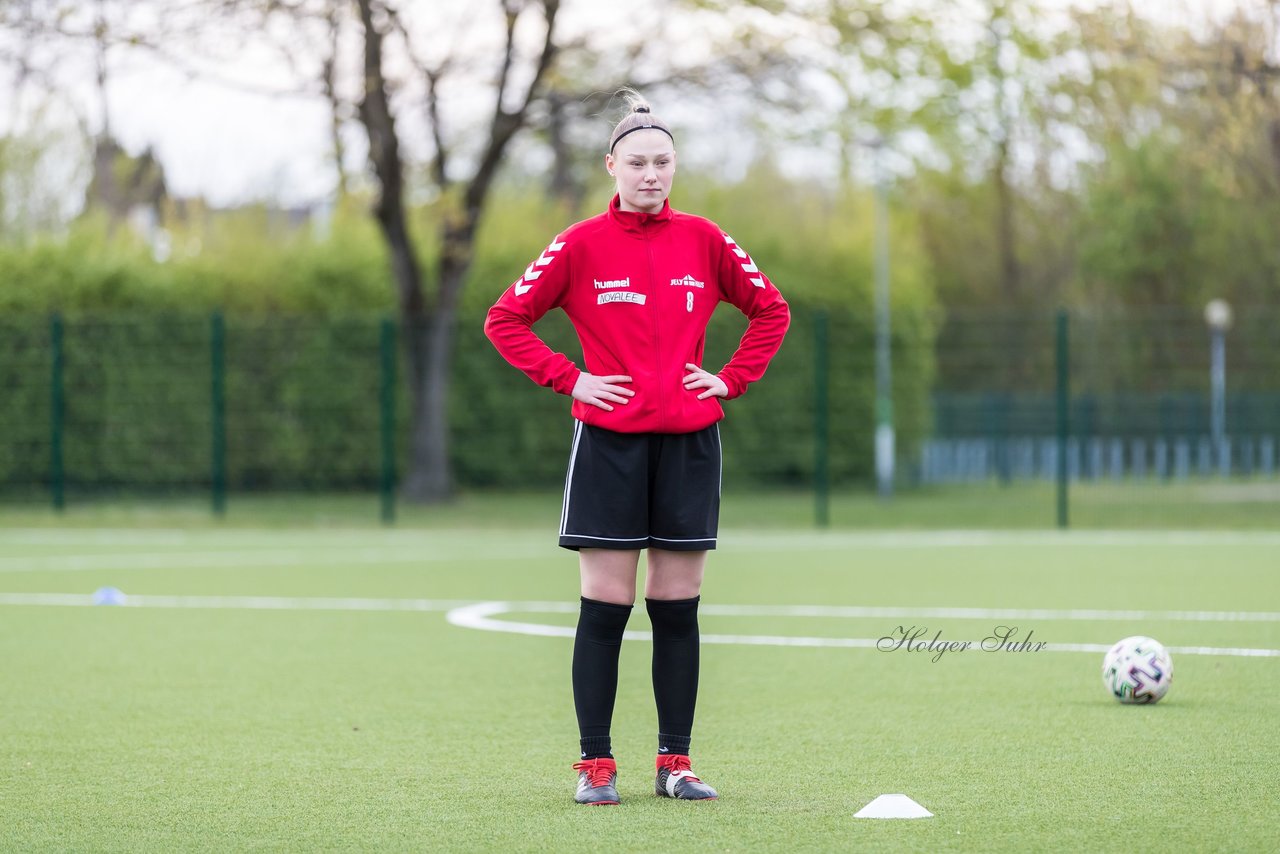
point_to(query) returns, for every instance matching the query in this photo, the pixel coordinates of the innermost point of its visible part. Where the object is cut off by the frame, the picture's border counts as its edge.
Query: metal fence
(111, 405)
(1141, 398)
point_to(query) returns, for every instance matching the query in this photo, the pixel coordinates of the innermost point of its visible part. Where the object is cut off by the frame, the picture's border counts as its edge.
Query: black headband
(649, 123)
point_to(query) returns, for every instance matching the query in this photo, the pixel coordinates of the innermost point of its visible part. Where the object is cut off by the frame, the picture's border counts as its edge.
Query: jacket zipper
(657, 337)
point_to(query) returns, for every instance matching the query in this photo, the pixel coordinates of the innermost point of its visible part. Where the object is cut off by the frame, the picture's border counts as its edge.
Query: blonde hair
(639, 116)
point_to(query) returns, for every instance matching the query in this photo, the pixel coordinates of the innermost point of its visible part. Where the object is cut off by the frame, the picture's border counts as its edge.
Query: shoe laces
(599, 771)
(674, 762)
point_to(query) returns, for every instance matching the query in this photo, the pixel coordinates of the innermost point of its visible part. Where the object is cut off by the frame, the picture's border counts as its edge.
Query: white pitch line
(349, 555)
(1075, 614)
(1181, 650)
(210, 536)
(731, 539)
(712, 610)
(257, 603)
(907, 539)
(480, 616)
(907, 612)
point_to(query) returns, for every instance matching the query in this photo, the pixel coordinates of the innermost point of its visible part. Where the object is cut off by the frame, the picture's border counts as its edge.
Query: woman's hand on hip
(597, 390)
(698, 378)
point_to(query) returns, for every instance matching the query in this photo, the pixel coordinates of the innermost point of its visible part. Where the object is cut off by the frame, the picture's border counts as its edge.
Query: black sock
(675, 669)
(595, 672)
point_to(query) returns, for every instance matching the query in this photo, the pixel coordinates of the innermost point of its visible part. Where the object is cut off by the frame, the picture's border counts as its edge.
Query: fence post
(57, 472)
(218, 405)
(388, 419)
(1064, 414)
(821, 456)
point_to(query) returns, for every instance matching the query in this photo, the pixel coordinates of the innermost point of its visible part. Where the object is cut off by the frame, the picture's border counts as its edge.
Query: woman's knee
(609, 575)
(674, 575)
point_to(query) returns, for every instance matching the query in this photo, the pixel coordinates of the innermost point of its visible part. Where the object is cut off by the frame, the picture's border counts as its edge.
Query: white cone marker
(893, 806)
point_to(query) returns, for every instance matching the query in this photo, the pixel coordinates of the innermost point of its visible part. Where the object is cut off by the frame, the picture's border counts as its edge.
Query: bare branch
(432, 76)
(512, 12)
(384, 152)
(441, 165)
(329, 85)
(506, 123)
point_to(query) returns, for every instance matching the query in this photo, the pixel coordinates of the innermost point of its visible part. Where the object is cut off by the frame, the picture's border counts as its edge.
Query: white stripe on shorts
(719, 463)
(568, 477)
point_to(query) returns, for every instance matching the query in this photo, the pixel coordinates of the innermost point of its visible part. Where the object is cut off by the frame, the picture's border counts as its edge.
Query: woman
(640, 283)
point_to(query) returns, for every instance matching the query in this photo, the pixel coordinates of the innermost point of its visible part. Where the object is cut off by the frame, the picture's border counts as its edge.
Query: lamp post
(884, 439)
(1217, 314)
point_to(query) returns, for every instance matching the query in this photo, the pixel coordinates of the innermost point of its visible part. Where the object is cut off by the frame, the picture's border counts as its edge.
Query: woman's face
(644, 166)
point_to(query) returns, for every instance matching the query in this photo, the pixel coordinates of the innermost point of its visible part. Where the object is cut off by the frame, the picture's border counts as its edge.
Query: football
(1137, 670)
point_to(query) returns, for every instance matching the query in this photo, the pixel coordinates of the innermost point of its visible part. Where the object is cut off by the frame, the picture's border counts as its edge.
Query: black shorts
(641, 490)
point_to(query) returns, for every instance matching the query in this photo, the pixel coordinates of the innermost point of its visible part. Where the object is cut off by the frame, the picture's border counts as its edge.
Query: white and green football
(1137, 669)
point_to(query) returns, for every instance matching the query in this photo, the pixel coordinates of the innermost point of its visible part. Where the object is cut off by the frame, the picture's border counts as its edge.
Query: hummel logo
(531, 275)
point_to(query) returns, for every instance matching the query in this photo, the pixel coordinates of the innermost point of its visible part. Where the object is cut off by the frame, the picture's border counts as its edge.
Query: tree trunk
(564, 184)
(427, 478)
(429, 346)
(1275, 145)
(1007, 245)
(1006, 233)
(428, 324)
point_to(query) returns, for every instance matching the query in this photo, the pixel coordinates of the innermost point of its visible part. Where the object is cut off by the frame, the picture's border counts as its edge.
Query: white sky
(231, 145)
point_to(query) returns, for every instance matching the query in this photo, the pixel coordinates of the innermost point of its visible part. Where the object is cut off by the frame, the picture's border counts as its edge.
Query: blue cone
(109, 596)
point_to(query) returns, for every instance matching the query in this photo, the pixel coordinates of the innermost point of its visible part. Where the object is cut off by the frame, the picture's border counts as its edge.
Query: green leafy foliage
(302, 368)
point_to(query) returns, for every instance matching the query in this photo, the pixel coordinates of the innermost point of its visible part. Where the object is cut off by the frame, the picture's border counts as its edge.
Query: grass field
(1210, 504)
(302, 688)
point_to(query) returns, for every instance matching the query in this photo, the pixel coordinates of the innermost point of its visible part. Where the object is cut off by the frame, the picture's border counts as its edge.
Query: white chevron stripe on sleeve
(530, 274)
(748, 266)
(548, 255)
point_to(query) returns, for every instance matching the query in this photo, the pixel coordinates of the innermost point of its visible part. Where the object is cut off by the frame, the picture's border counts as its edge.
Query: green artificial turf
(304, 728)
(1208, 504)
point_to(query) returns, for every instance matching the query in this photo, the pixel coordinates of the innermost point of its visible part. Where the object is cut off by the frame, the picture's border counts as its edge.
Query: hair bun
(639, 117)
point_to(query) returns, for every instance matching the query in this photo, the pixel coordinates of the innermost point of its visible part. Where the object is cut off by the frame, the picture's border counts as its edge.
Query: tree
(428, 316)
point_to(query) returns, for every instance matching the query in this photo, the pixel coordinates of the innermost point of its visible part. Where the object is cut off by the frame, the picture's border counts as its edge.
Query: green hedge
(302, 405)
(302, 354)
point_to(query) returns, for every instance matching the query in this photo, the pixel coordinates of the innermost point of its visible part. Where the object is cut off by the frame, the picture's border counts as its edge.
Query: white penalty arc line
(481, 615)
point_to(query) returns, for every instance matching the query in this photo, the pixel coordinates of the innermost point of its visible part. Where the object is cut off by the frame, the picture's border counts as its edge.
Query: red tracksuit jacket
(640, 290)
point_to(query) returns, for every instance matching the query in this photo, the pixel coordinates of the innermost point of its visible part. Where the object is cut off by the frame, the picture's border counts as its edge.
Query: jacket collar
(638, 222)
